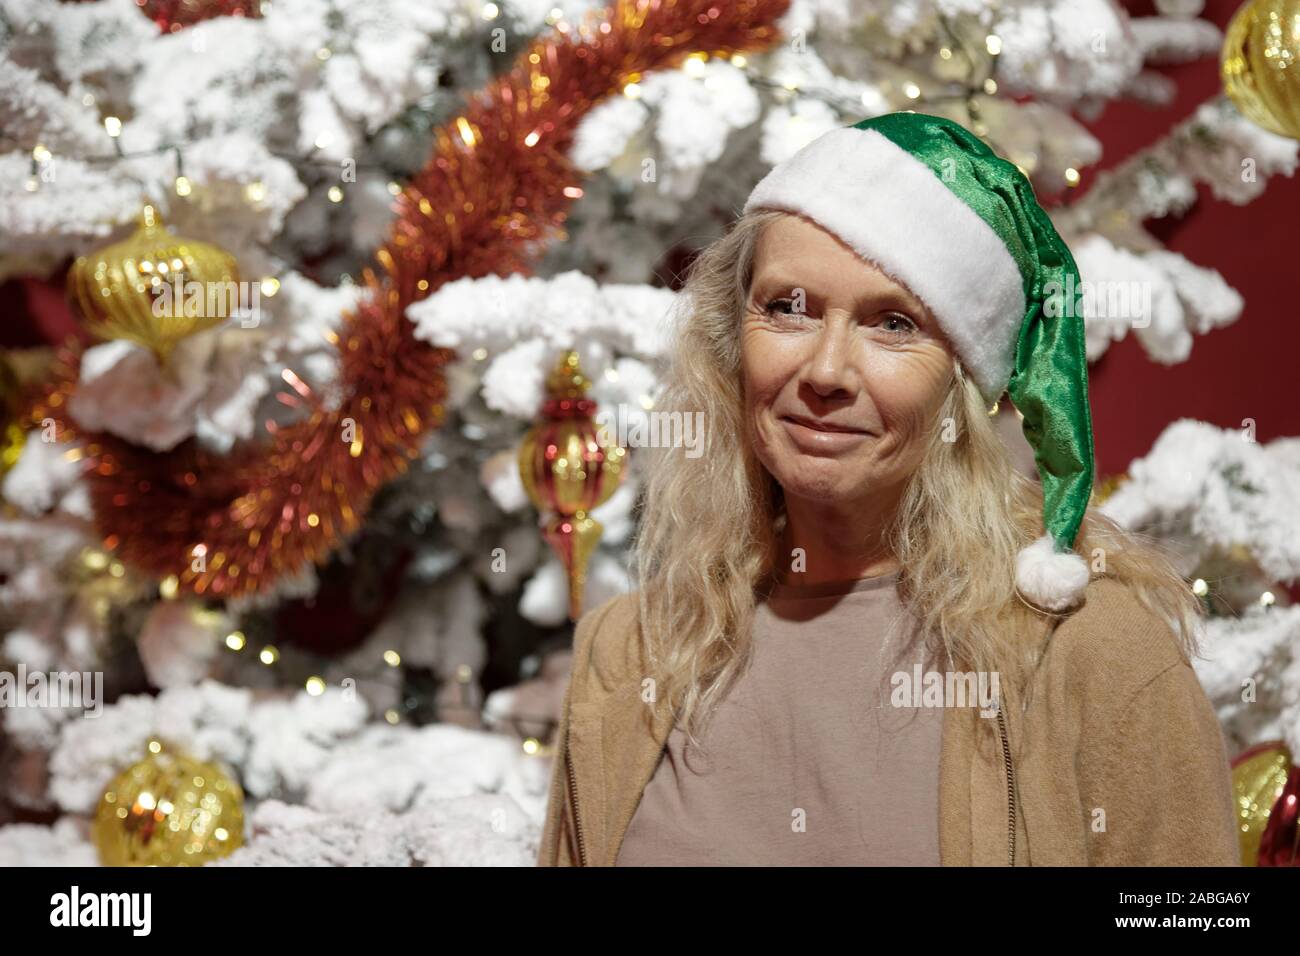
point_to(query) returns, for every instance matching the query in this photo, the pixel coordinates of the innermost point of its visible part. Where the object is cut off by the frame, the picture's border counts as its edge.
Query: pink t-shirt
(807, 762)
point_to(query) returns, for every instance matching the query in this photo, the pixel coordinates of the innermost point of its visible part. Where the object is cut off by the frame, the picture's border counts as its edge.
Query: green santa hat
(933, 206)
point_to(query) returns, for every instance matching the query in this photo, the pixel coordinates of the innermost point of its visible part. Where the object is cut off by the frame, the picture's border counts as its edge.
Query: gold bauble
(1107, 487)
(12, 436)
(1260, 64)
(129, 290)
(1258, 777)
(169, 810)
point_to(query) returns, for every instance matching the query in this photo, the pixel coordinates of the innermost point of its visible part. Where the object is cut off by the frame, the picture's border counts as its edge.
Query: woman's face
(844, 369)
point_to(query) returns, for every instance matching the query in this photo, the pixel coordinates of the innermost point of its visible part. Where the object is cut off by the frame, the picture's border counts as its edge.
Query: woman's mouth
(819, 435)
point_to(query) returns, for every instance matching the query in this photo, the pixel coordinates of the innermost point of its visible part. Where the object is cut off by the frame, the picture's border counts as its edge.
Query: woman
(861, 636)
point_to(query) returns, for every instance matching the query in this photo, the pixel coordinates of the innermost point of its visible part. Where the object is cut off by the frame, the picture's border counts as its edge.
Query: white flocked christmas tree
(284, 138)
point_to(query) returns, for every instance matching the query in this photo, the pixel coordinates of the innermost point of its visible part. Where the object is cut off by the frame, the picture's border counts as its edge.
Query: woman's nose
(829, 370)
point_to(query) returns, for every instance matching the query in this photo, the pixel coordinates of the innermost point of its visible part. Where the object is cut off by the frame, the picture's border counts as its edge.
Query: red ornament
(569, 466)
(174, 15)
(1280, 844)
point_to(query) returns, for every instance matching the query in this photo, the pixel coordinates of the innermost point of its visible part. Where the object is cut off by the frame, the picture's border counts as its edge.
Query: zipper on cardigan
(1011, 790)
(573, 801)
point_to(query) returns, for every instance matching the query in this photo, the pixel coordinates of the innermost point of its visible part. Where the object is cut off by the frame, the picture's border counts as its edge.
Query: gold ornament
(169, 810)
(1260, 64)
(569, 465)
(12, 436)
(1258, 778)
(1107, 487)
(155, 288)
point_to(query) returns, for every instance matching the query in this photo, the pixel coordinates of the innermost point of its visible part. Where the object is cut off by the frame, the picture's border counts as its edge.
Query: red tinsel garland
(493, 194)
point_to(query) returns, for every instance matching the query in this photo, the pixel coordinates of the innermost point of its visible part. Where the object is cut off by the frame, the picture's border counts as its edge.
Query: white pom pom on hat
(1053, 580)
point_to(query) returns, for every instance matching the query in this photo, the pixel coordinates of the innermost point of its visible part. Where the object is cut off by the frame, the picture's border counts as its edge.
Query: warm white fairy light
(693, 65)
(113, 126)
(335, 194)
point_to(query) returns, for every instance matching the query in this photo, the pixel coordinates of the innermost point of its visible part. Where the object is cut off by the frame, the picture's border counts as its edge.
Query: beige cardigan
(1117, 758)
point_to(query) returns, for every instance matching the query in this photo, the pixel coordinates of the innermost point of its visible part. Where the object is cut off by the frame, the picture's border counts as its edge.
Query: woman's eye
(783, 311)
(898, 324)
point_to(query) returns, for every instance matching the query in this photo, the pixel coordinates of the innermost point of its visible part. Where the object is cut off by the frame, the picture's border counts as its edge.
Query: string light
(993, 43)
(113, 126)
(1071, 176)
(268, 655)
(235, 640)
(315, 686)
(1200, 588)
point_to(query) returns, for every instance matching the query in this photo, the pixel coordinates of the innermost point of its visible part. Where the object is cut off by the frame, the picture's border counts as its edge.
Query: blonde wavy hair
(709, 530)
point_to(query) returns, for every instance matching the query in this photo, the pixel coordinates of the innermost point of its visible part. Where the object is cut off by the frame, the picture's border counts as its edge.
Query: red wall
(1246, 370)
